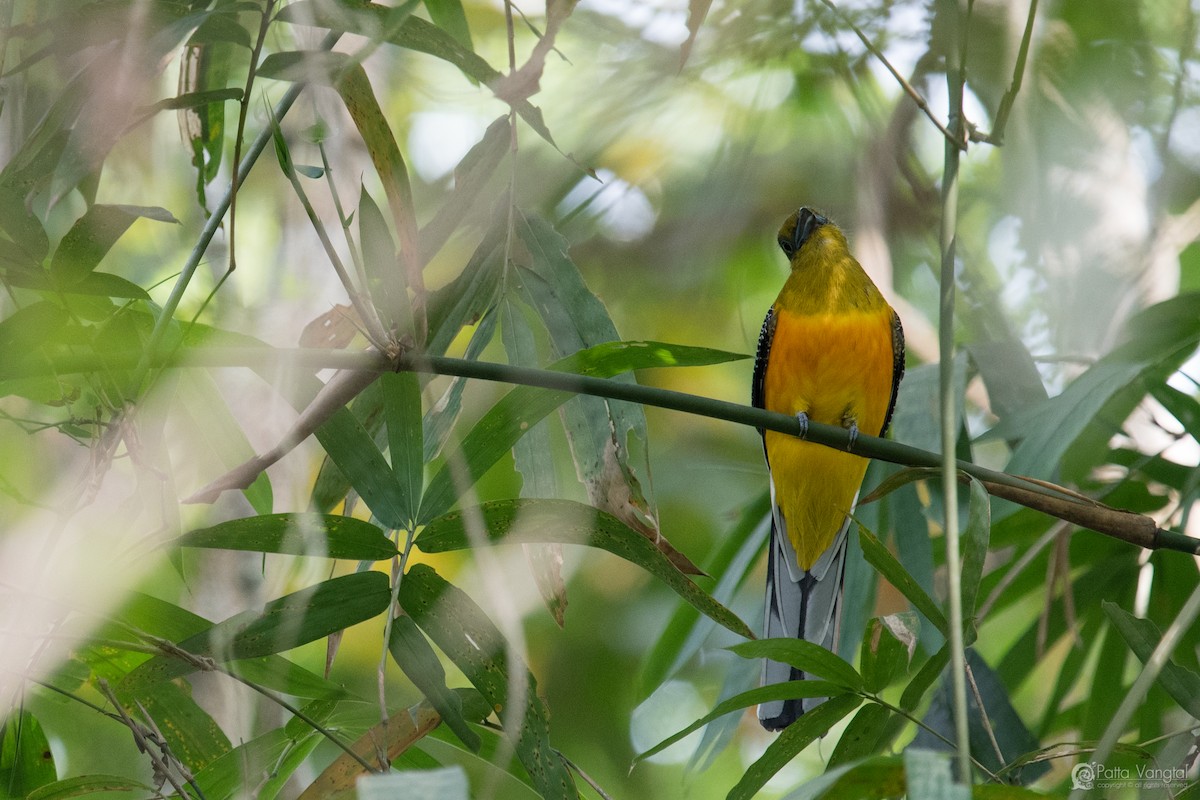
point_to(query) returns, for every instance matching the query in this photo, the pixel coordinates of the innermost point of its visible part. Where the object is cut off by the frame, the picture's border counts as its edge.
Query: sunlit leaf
(85, 785)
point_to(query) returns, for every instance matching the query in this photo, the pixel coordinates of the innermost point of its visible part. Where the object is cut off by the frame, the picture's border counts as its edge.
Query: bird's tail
(801, 604)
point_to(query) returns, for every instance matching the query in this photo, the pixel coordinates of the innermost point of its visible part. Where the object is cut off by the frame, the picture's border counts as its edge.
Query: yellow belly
(837, 369)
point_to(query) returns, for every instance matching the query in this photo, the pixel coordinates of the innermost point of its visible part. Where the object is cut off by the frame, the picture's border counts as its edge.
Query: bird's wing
(897, 368)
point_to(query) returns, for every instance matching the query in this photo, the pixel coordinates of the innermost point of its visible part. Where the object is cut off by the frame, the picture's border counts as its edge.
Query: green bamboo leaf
(363, 106)
(402, 409)
(975, 548)
(1142, 636)
(86, 785)
(268, 761)
(877, 778)
(299, 534)
(886, 565)
(26, 762)
(352, 448)
(313, 66)
(810, 658)
(450, 17)
(539, 478)
(93, 235)
(797, 736)
(1159, 337)
(193, 736)
(439, 422)
(386, 281)
(416, 658)
(507, 421)
(23, 228)
(862, 737)
(470, 176)
(295, 619)
(464, 633)
(568, 522)
(789, 690)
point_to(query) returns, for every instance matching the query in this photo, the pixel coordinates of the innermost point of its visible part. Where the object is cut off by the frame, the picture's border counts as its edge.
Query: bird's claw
(802, 418)
(852, 429)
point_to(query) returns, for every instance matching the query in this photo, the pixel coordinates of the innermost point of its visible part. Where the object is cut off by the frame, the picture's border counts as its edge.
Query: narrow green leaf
(975, 547)
(1161, 335)
(353, 450)
(1142, 636)
(22, 227)
(797, 736)
(85, 785)
(26, 762)
(440, 419)
(470, 176)
(450, 17)
(268, 761)
(810, 658)
(190, 732)
(790, 690)
(886, 565)
(325, 535)
(93, 235)
(877, 778)
(529, 452)
(416, 658)
(283, 624)
(386, 281)
(568, 522)
(313, 66)
(863, 736)
(464, 633)
(402, 409)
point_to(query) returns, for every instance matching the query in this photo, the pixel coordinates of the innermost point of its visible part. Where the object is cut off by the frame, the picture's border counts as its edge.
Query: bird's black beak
(807, 221)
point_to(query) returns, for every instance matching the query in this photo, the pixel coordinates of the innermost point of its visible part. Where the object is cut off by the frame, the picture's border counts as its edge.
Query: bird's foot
(802, 418)
(852, 429)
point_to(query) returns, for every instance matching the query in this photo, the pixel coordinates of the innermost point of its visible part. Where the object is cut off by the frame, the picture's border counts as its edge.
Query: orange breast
(836, 368)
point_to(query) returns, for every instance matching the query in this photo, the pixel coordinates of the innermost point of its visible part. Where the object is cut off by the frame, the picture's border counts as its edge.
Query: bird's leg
(802, 418)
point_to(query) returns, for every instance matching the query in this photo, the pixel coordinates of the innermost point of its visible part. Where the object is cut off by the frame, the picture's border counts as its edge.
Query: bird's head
(797, 228)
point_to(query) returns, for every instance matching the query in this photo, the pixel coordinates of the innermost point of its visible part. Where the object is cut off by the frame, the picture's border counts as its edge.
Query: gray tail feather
(801, 605)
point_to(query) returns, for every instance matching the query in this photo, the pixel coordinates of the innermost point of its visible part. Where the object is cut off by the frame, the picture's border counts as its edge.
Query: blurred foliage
(593, 189)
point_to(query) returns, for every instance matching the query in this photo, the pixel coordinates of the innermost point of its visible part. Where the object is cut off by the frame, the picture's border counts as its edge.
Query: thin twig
(957, 141)
(243, 110)
(996, 137)
(983, 715)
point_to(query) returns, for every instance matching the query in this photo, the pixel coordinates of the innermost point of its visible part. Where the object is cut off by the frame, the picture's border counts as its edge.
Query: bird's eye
(785, 245)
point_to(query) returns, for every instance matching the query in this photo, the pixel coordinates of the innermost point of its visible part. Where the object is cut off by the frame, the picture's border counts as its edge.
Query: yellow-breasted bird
(831, 350)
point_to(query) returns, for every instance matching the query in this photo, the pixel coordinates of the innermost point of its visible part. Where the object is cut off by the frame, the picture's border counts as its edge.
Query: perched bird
(832, 351)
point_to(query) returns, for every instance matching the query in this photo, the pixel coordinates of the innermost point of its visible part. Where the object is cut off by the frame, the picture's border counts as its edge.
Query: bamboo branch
(1053, 500)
